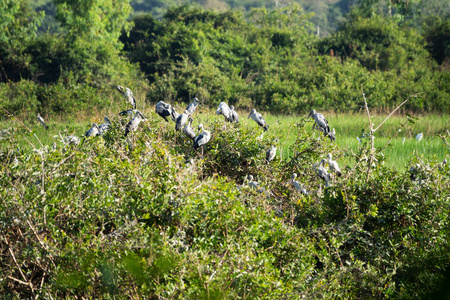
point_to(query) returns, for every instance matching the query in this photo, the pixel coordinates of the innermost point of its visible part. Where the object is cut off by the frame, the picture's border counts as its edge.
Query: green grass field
(348, 127)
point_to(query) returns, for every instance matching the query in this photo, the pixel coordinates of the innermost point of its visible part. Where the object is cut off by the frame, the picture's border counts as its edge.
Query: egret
(258, 118)
(191, 107)
(164, 110)
(93, 131)
(41, 120)
(419, 137)
(334, 167)
(403, 140)
(234, 115)
(202, 138)
(320, 121)
(224, 110)
(128, 95)
(182, 120)
(105, 126)
(188, 131)
(297, 185)
(134, 123)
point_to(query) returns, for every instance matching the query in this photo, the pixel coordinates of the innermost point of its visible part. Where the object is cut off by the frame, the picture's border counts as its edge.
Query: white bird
(359, 140)
(403, 140)
(188, 131)
(128, 95)
(419, 137)
(202, 138)
(271, 153)
(258, 118)
(320, 121)
(72, 139)
(297, 185)
(191, 107)
(105, 126)
(41, 120)
(164, 110)
(234, 115)
(224, 110)
(334, 167)
(182, 120)
(93, 131)
(134, 123)
(322, 172)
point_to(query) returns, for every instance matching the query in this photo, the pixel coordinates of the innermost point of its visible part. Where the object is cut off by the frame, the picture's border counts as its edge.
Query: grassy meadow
(348, 127)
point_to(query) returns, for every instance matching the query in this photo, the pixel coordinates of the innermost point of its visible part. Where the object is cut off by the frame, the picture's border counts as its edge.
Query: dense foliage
(146, 216)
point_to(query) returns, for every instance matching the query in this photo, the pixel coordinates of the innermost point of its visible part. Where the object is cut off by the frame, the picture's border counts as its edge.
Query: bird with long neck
(202, 138)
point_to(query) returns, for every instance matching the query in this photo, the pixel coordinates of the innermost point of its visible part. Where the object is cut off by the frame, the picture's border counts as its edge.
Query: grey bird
(252, 184)
(134, 123)
(202, 138)
(72, 140)
(224, 110)
(258, 118)
(41, 120)
(164, 110)
(334, 167)
(128, 112)
(188, 131)
(173, 114)
(128, 95)
(297, 185)
(93, 131)
(191, 107)
(182, 120)
(105, 126)
(320, 121)
(271, 153)
(322, 172)
(234, 115)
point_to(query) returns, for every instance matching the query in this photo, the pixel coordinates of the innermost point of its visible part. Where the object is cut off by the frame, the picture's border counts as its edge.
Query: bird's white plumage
(188, 131)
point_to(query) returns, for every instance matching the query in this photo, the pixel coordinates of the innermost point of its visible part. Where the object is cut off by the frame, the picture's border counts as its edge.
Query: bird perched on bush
(188, 131)
(134, 123)
(202, 138)
(182, 120)
(224, 110)
(334, 167)
(105, 126)
(128, 95)
(297, 185)
(258, 118)
(234, 115)
(93, 131)
(41, 120)
(192, 106)
(165, 110)
(320, 121)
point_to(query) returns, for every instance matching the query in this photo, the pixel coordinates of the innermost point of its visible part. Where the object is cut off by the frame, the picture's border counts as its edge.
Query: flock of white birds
(183, 122)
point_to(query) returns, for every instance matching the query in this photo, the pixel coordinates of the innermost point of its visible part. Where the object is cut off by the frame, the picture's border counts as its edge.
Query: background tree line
(260, 53)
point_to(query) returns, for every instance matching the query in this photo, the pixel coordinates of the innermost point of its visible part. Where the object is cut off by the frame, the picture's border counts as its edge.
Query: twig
(415, 95)
(371, 135)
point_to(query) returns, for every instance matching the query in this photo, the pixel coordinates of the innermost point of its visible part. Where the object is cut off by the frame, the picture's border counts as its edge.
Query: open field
(348, 127)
